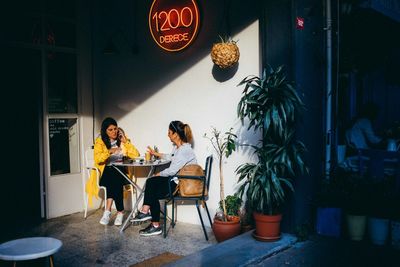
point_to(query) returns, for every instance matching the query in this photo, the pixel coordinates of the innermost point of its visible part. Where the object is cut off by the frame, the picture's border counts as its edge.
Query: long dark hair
(183, 130)
(104, 125)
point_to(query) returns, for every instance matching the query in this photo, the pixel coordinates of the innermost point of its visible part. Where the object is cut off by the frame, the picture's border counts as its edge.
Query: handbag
(191, 187)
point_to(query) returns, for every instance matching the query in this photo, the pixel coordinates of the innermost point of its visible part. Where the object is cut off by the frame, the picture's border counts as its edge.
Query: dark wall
(302, 52)
(20, 179)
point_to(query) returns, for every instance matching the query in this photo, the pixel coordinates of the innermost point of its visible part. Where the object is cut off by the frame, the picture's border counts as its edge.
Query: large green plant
(271, 104)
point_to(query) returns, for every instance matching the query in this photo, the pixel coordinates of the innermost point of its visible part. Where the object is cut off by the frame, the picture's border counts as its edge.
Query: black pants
(114, 182)
(156, 188)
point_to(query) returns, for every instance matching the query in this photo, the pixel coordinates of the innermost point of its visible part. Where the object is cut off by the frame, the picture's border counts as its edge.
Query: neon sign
(174, 23)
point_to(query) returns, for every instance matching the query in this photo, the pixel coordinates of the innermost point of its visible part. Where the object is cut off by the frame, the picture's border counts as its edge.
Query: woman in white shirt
(361, 135)
(157, 187)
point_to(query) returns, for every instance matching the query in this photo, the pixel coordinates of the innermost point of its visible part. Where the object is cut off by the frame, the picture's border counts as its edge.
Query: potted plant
(225, 225)
(355, 204)
(225, 53)
(232, 205)
(271, 105)
(246, 218)
(380, 210)
(329, 201)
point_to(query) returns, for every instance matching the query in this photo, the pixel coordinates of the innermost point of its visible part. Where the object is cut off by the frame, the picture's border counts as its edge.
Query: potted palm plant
(226, 223)
(271, 104)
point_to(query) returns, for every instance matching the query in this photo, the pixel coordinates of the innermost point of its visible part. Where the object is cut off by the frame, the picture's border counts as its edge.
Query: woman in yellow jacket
(112, 145)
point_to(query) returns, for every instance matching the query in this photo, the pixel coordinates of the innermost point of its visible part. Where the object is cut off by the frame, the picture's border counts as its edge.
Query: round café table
(29, 249)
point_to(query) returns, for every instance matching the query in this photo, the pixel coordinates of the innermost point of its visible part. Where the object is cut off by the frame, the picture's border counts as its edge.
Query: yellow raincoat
(101, 155)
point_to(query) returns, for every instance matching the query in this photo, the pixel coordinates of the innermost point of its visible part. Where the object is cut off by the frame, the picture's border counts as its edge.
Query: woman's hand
(153, 152)
(122, 137)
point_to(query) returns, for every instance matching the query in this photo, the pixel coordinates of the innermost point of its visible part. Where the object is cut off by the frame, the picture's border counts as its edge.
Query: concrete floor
(88, 243)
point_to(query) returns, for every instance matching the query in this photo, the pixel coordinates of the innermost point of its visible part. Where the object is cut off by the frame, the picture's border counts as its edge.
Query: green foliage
(226, 39)
(271, 104)
(224, 145)
(233, 203)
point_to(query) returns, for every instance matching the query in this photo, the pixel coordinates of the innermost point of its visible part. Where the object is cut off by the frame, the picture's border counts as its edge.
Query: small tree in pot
(271, 104)
(224, 226)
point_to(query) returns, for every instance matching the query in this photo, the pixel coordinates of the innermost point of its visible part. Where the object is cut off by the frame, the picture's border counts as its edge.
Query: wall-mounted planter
(225, 54)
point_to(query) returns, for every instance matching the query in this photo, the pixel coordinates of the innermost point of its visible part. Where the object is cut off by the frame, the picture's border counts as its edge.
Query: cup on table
(147, 156)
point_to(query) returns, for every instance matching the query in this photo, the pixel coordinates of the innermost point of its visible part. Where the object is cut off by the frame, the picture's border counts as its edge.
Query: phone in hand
(120, 134)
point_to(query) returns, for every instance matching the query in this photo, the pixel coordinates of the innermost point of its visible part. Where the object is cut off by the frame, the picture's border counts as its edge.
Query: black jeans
(114, 182)
(156, 189)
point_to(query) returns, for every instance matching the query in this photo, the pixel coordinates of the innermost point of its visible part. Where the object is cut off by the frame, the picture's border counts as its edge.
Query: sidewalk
(334, 252)
(242, 250)
(318, 251)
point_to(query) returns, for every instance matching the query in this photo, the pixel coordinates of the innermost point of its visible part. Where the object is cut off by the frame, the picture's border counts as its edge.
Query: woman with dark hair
(157, 187)
(111, 146)
(361, 135)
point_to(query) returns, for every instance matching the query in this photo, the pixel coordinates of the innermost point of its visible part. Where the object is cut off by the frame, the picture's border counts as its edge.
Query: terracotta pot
(226, 230)
(268, 227)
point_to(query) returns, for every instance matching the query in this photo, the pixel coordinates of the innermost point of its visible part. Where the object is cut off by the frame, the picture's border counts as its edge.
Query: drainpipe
(328, 119)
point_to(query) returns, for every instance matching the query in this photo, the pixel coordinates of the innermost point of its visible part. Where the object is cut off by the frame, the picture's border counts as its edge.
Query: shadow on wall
(222, 75)
(129, 79)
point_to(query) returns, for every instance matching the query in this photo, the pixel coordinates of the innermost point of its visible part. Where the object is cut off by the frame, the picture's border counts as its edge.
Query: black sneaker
(151, 230)
(141, 217)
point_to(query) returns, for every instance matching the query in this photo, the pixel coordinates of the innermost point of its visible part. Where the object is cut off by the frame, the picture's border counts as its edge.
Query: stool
(29, 248)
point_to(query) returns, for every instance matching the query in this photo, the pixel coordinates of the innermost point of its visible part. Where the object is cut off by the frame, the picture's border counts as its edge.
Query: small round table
(29, 248)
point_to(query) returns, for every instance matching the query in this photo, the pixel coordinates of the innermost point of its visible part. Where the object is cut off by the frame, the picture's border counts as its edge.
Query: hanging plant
(225, 53)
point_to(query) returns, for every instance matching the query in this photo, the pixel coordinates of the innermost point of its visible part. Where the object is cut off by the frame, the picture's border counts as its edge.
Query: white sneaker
(106, 217)
(118, 219)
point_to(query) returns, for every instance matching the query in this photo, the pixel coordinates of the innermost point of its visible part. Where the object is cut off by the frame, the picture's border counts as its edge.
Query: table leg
(138, 199)
(51, 261)
(133, 211)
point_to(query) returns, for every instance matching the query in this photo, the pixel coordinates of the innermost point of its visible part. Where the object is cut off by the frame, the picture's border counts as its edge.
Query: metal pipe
(328, 122)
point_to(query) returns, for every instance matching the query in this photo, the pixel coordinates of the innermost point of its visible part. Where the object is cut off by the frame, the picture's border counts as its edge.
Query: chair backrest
(89, 157)
(207, 171)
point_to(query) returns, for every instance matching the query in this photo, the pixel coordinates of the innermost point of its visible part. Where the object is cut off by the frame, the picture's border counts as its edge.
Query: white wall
(194, 97)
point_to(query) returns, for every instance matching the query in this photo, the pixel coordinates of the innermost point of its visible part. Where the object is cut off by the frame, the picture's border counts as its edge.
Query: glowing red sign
(174, 23)
(299, 23)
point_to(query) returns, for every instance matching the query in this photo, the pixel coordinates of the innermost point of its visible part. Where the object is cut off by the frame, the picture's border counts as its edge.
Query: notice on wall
(63, 146)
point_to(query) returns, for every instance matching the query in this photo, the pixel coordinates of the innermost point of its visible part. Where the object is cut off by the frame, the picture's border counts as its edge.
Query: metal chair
(201, 200)
(89, 166)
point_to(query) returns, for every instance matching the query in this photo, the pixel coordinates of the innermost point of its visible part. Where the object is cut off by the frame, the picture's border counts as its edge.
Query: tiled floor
(87, 243)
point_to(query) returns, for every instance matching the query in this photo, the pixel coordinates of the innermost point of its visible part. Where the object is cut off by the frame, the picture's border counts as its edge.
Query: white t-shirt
(114, 157)
(362, 131)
